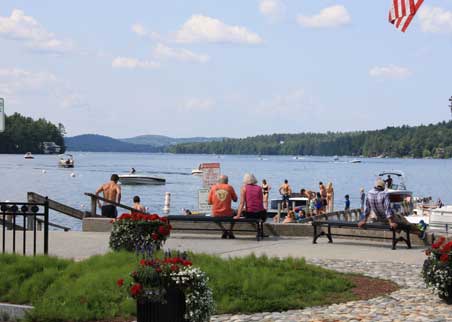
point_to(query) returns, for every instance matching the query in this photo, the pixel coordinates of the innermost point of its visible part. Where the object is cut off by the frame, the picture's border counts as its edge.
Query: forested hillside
(101, 143)
(23, 134)
(434, 140)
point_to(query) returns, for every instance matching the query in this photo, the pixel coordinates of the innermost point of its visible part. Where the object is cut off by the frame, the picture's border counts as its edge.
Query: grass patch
(63, 290)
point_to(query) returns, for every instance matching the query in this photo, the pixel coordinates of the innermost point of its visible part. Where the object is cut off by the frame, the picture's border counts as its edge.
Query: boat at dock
(139, 179)
(28, 155)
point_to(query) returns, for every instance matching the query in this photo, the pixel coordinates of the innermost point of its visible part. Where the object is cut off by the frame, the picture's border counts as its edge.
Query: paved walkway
(80, 245)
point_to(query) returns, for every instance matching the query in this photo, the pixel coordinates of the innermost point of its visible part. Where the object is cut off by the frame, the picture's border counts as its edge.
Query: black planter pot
(172, 311)
(447, 299)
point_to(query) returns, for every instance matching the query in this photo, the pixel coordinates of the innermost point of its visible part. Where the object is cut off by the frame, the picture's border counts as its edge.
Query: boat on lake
(66, 161)
(335, 158)
(402, 201)
(196, 172)
(355, 161)
(28, 155)
(140, 179)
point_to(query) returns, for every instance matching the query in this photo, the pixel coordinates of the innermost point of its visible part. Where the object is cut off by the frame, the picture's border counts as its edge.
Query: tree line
(424, 141)
(23, 134)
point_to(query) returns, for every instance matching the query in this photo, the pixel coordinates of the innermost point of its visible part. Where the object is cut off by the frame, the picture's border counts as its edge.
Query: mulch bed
(365, 289)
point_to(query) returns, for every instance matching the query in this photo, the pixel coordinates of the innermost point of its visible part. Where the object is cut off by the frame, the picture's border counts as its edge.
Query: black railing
(24, 216)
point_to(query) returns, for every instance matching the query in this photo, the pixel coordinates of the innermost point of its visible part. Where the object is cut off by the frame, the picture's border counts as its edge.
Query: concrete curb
(14, 311)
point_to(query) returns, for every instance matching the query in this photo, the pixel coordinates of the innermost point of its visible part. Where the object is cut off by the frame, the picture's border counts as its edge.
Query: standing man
(112, 192)
(286, 191)
(220, 197)
(388, 182)
(378, 202)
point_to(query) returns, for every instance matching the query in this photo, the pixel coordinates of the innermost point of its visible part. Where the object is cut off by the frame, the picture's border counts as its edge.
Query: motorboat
(298, 157)
(28, 155)
(355, 161)
(400, 197)
(135, 179)
(196, 172)
(66, 161)
(335, 158)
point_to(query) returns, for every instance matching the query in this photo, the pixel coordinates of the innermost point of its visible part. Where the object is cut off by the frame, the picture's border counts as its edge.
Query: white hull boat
(66, 161)
(127, 179)
(28, 155)
(196, 172)
(355, 161)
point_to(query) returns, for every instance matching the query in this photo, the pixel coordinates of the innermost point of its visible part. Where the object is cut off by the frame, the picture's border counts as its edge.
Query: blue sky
(224, 68)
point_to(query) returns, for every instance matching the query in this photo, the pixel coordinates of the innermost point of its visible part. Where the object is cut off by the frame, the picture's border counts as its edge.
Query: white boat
(401, 199)
(131, 179)
(196, 172)
(335, 158)
(355, 161)
(28, 155)
(66, 161)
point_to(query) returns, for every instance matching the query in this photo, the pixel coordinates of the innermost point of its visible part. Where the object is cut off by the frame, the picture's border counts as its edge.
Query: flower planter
(171, 311)
(447, 299)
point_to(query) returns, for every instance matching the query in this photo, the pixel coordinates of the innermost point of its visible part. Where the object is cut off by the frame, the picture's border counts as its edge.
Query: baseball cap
(379, 183)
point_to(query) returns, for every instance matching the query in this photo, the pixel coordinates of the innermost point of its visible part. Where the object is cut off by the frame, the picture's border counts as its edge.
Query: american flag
(402, 12)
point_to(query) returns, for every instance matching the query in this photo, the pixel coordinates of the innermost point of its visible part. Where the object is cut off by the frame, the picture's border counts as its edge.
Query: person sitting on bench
(220, 197)
(251, 201)
(378, 202)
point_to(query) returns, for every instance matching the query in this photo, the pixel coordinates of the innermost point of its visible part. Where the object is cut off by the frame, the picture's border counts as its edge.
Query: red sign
(210, 174)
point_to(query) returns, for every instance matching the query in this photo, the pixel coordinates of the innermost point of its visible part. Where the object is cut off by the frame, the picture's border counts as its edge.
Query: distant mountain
(100, 143)
(163, 141)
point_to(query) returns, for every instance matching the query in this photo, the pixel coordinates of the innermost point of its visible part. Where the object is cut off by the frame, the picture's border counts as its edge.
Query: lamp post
(450, 106)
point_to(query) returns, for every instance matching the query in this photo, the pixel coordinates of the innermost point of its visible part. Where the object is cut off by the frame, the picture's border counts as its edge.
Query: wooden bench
(258, 225)
(318, 231)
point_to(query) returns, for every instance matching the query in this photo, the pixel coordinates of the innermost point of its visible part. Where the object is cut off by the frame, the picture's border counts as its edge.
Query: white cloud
(164, 52)
(16, 83)
(132, 63)
(390, 71)
(200, 28)
(198, 104)
(294, 101)
(334, 16)
(435, 19)
(273, 9)
(141, 31)
(18, 26)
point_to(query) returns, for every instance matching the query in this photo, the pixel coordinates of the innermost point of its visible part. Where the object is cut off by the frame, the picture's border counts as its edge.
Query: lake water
(424, 177)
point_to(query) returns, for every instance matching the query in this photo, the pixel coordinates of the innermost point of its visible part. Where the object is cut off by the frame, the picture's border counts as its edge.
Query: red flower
(135, 289)
(120, 282)
(164, 219)
(154, 217)
(163, 230)
(154, 236)
(446, 248)
(187, 263)
(444, 258)
(174, 268)
(158, 269)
